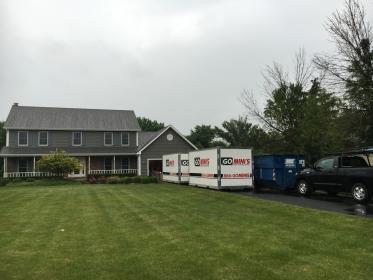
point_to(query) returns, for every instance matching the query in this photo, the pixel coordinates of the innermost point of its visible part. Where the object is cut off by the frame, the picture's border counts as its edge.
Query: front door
(154, 166)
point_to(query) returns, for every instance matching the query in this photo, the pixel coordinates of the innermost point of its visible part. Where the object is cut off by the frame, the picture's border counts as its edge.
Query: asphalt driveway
(319, 200)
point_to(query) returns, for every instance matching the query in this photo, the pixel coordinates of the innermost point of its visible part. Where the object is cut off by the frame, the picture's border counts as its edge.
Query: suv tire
(303, 188)
(360, 192)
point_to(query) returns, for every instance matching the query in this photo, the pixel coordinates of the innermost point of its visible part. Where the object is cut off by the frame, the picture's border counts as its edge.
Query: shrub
(92, 180)
(113, 180)
(127, 180)
(102, 180)
(29, 180)
(58, 162)
(136, 179)
(148, 180)
(3, 182)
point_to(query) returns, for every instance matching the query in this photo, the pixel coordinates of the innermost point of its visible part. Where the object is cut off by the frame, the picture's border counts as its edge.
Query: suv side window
(325, 164)
(354, 161)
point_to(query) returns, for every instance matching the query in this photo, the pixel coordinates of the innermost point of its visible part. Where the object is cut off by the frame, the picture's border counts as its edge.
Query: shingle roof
(145, 137)
(49, 118)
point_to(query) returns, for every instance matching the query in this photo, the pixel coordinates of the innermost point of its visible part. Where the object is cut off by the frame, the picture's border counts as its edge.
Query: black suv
(352, 172)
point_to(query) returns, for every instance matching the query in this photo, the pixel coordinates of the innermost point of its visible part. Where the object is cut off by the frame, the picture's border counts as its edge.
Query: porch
(25, 167)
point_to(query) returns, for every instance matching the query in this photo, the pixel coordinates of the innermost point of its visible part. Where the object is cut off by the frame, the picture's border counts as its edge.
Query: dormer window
(22, 138)
(77, 138)
(125, 139)
(43, 138)
(108, 138)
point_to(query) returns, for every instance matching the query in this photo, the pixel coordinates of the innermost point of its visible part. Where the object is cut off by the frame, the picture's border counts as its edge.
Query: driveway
(319, 200)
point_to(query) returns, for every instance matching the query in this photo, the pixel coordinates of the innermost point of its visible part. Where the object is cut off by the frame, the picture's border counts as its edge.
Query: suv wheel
(303, 188)
(360, 192)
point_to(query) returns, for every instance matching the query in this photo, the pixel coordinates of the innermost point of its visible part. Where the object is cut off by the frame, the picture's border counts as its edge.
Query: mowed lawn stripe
(173, 232)
(201, 242)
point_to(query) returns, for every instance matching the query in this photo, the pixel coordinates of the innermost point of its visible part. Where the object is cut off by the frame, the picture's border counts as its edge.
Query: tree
(350, 69)
(299, 114)
(203, 136)
(240, 133)
(58, 162)
(149, 125)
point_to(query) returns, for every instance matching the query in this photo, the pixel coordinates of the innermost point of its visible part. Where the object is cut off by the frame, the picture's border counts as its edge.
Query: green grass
(173, 232)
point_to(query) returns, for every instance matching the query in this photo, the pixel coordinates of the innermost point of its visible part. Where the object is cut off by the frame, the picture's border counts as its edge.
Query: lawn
(173, 232)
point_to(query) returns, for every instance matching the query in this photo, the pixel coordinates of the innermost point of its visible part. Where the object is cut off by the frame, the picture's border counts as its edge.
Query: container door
(290, 169)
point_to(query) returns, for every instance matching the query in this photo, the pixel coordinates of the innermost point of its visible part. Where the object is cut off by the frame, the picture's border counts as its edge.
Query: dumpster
(277, 171)
(176, 168)
(221, 168)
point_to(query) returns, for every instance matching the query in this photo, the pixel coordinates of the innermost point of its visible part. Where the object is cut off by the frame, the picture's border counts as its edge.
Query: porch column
(89, 165)
(34, 165)
(139, 165)
(114, 164)
(5, 167)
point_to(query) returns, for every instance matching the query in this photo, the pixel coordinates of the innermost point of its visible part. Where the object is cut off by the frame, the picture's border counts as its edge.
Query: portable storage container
(277, 171)
(221, 168)
(176, 168)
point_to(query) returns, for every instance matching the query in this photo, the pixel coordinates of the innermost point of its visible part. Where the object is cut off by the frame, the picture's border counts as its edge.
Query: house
(104, 141)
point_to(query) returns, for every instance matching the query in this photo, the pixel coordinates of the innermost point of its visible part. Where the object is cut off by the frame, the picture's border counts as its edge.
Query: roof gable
(49, 118)
(159, 133)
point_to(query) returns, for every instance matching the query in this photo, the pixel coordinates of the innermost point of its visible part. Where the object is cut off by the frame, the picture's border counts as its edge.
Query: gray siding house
(104, 141)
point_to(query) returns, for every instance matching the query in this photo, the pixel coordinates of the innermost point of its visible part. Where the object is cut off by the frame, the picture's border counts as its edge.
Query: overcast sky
(183, 62)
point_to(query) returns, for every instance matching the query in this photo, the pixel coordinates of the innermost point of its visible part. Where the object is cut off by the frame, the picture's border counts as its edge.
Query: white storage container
(176, 168)
(221, 168)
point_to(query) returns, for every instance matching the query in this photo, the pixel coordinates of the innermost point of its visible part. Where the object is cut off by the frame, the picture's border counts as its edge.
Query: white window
(108, 139)
(22, 138)
(77, 138)
(125, 163)
(43, 138)
(22, 165)
(125, 139)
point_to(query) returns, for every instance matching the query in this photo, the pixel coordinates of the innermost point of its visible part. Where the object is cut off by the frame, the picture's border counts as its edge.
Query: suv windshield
(355, 161)
(325, 164)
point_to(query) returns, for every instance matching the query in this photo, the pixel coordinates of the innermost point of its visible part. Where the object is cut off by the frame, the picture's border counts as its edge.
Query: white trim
(147, 165)
(137, 139)
(81, 139)
(114, 163)
(112, 139)
(139, 165)
(5, 167)
(7, 138)
(45, 145)
(166, 129)
(89, 165)
(27, 138)
(121, 139)
(34, 168)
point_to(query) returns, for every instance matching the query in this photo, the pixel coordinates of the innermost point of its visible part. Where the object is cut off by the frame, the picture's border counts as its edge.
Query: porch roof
(76, 151)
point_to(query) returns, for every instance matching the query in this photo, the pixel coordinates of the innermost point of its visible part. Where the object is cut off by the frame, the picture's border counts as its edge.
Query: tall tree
(149, 125)
(299, 113)
(240, 133)
(203, 136)
(350, 69)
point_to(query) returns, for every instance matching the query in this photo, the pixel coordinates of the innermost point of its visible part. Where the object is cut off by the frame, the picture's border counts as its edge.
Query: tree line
(324, 106)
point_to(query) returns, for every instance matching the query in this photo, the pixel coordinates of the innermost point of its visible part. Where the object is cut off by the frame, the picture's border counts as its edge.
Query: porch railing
(114, 172)
(27, 174)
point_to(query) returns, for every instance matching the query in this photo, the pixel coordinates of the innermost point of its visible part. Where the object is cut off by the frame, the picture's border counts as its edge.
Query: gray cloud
(181, 62)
